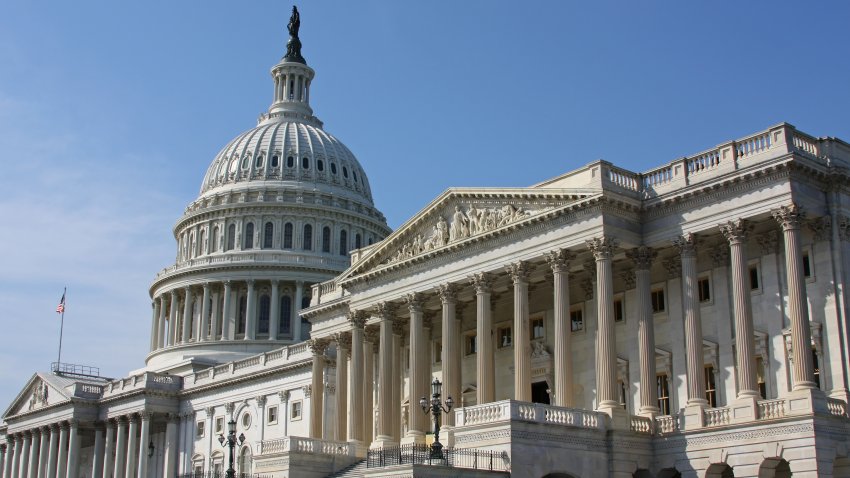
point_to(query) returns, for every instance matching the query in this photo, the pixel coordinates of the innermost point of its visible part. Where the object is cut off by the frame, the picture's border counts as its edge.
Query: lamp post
(230, 442)
(436, 407)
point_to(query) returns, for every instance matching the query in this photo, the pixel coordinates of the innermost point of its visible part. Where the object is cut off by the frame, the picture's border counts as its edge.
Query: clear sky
(110, 113)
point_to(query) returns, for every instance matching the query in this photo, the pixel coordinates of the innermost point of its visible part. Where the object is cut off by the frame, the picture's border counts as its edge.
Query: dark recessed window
(326, 239)
(320, 165)
(657, 299)
(333, 168)
(308, 237)
(354, 173)
(345, 171)
(290, 161)
(807, 266)
(275, 161)
(287, 236)
(343, 243)
(754, 278)
(259, 162)
(245, 162)
(704, 289)
(305, 163)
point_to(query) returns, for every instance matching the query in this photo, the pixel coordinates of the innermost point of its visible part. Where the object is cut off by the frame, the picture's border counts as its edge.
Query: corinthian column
(29, 465)
(23, 461)
(606, 354)
(418, 360)
(43, 452)
(97, 453)
(642, 257)
(355, 387)
(132, 447)
(227, 327)
(693, 325)
(154, 325)
(398, 371)
(171, 442)
(317, 386)
(484, 360)
(119, 469)
(384, 437)
(370, 349)
(522, 352)
(161, 339)
(343, 345)
(143, 443)
(559, 261)
(790, 218)
(53, 449)
(274, 313)
(187, 315)
(74, 449)
(451, 348)
(205, 315)
(251, 312)
(108, 451)
(736, 233)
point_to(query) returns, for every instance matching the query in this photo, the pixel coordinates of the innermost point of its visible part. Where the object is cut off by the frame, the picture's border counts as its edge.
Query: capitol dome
(280, 208)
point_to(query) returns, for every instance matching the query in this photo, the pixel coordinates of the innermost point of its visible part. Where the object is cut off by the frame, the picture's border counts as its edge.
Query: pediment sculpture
(38, 398)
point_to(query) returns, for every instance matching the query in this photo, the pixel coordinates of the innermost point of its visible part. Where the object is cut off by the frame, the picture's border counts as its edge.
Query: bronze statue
(293, 46)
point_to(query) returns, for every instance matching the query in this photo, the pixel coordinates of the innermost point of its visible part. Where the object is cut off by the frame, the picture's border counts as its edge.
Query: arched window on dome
(202, 242)
(320, 165)
(265, 311)
(343, 243)
(333, 168)
(240, 318)
(275, 161)
(192, 245)
(345, 172)
(248, 243)
(245, 162)
(285, 315)
(326, 239)
(214, 240)
(231, 237)
(357, 240)
(290, 161)
(308, 237)
(354, 173)
(268, 235)
(259, 162)
(287, 235)
(305, 163)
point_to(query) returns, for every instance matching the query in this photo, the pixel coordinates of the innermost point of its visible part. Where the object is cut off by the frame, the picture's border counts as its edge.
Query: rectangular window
(710, 389)
(619, 311)
(807, 266)
(471, 343)
(755, 283)
(704, 288)
(760, 378)
(271, 415)
(657, 298)
(438, 351)
(621, 386)
(816, 366)
(199, 428)
(576, 320)
(295, 410)
(537, 331)
(219, 425)
(663, 390)
(505, 336)
(199, 470)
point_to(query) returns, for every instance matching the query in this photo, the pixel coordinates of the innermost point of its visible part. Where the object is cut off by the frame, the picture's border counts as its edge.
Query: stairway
(356, 470)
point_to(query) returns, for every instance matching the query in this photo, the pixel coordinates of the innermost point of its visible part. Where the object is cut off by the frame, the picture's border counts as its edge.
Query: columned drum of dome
(280, 207)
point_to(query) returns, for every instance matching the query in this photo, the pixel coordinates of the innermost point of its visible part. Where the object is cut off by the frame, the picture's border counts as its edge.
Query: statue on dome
(293, 46)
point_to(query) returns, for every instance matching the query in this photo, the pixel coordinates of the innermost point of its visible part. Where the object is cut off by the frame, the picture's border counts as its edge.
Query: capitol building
(687, 320)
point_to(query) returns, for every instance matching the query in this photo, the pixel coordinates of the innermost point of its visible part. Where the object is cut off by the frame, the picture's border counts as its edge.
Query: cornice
(306, 363)
(251, 267)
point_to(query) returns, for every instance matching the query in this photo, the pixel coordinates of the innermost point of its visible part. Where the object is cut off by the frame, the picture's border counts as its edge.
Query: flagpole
(61, 328)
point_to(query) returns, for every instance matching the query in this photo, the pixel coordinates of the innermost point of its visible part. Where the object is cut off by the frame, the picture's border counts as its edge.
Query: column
(355, 387)
(154, 324)
(386, 312)
(143, 444)
(170, 459)
(53, 450)
(215, 328)
(172, 320)
(23, 461)
(559, 261)
(227, 327)
(606, 356)
(62, 456)
(205, 315)
(484, 361)
(251, 312)
(108, 451)
(132, 446)
(187, 315)
(522, 352)
(790, 218)
(693, 326)
(343, 345)
(12, 448)
(451, 348)
(120, 467)
(736, 233)
(398, 371)
(97, 453)
(32, 466)
(43, 452)
(3, 449)
(419, 357)
(296, 306)
(161, 340)
(370, 349)
(74, 449)
(642, 257)
(274, 312)
(317, 387)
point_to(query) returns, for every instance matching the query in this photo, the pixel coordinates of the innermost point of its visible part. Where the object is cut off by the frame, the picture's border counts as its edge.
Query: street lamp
(436, 408)
(230, 442)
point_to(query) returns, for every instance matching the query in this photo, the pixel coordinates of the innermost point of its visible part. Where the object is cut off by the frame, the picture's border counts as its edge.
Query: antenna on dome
(293, 46)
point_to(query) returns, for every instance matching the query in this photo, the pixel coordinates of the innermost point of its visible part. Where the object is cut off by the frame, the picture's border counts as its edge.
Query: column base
(744, 409)
(383, 441)
(649, 412)
(618, 419)
(806, 401)
(413, 438)
(694, 416)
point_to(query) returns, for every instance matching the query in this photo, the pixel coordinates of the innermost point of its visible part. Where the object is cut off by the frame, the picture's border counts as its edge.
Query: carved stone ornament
(735, 231)
(719, 255)
(447, 292)
(589, 267)
(821, 228)
(518, 271)
(588, 287)
(538, 349)
(673, 267)
(559, 260)
(642, 257)
(343, 340)
(357, 318)
(261, 401)
(386, 310)
(414, 301)
(308, 390)
(317, 346)
(628, 277)
(686, 244)
(789, 217)
(465, 222)
(284, 395)
(844, 228)
(482, 282)
(39, 395)
(602, 247)
(769, 242)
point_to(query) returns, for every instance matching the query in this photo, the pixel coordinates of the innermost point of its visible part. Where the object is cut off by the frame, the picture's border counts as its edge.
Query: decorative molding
(719, 255)
(628, 277)
(736, 231)
(821, 228)
(642, 257)
(769, 242)
(686, 244)
(559, 260)
(602, 247)
(518, 271)
(673, 266)
(789, 217)
(482, 282)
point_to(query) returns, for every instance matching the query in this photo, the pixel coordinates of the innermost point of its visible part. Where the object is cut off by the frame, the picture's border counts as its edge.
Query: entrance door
(539, 392)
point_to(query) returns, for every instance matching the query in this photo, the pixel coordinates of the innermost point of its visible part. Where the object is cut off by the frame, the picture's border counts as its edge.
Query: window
(290, 161)
(200, 428)
(287, 236)
(246, 420)
(470, 344)
(343, 243)
(240, 326)
(663, 390)
(305, 163)
(219, 425)
(295, 410)
(760, 379)
(619, 311)
(231, 237)
(275, 161)
(214, 240)
(357, 242)
(621, 390)
(657, 298)
(816, 367)
(537, 330)
(326, 239)
(199, 469)
(320, 165)
(333, 168)
(265, 311)
(268, 235)
(249, 236)
(271, 415)
(259, 162)
(285, 315)
(308, 237)
(371, 241)
(354, 173)
(505, 336)
(576, 319)
(245, 162)
(704, 289)
(755, 283)
(438, 351)
(710, 388)
(807, 266)
(345, 172)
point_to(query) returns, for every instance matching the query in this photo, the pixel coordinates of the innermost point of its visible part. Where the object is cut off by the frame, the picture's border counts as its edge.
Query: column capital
(386, 310)
(398, 327)
(518, 271)
(447, 292)
(206, 286)
(227, 282)
(261, 401)
(283, 395)
(250, 283)
(370, 334)
(628, 277)
(736, 231)
(482, 282)
(642, 256)
(308, 390)
(559, 259)
(173, 418)
(719, 255)
(821, 228)
(673, 267)
(789, 217)
(769, 242)
(686, 244)
(210, 411)
(414, 301)
(145, 415)
(357, 318)
(121, 420)
(317, 346)
(343, 340)
(602, 247)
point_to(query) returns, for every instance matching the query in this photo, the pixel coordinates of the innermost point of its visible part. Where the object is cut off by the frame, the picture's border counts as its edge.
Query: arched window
(345, 172)
(305, 163)
(248, 243)
(275, 161)
(214, 240)
(354, 173)
(245, 162)
(308, 237)
(305, 302)
(326, 239)
(240, 320)
(357, 243)
(231, 237)
(290, 161)
(320, 165)
(265, 312)
(287, 236)
(343, 243)
(268, 234)
(201, 241)
(245, 462)
(285, 319)
(371, 241)
(333, 168)
(259, 162)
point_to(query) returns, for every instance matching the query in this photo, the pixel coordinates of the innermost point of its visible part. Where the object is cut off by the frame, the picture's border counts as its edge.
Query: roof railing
(61, 368)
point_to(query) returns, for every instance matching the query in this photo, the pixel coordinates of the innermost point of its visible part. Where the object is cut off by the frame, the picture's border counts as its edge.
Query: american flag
(61, 307)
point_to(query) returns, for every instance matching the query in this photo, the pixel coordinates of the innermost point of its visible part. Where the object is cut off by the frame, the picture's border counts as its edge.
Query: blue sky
(110, 113)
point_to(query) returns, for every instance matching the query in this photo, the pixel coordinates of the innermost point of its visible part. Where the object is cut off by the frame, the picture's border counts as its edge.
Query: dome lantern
(292, 77)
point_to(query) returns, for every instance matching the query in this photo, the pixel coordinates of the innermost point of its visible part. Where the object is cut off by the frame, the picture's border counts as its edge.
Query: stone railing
(640, 424)
(524, 411)
(258, 256)
(666, 424)
(836, 407)
(146, 380)
(715, 417)
(769, 409)
(305, 445)
(294, 353)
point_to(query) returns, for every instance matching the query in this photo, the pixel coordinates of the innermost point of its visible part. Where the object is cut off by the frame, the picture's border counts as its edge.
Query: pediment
(463, 216)
(37, 393)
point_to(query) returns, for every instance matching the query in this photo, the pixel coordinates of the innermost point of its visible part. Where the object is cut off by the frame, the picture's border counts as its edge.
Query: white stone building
(690, 320)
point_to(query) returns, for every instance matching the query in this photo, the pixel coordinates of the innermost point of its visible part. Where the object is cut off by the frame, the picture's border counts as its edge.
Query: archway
(775, 468)
(719, 470)
(245, 462)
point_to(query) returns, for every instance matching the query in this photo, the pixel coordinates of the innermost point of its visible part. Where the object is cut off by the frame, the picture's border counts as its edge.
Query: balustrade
(771, 409)
(715, 417)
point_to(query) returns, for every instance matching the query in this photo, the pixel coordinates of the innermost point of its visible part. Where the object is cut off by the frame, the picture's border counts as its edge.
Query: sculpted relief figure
(459, 228)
